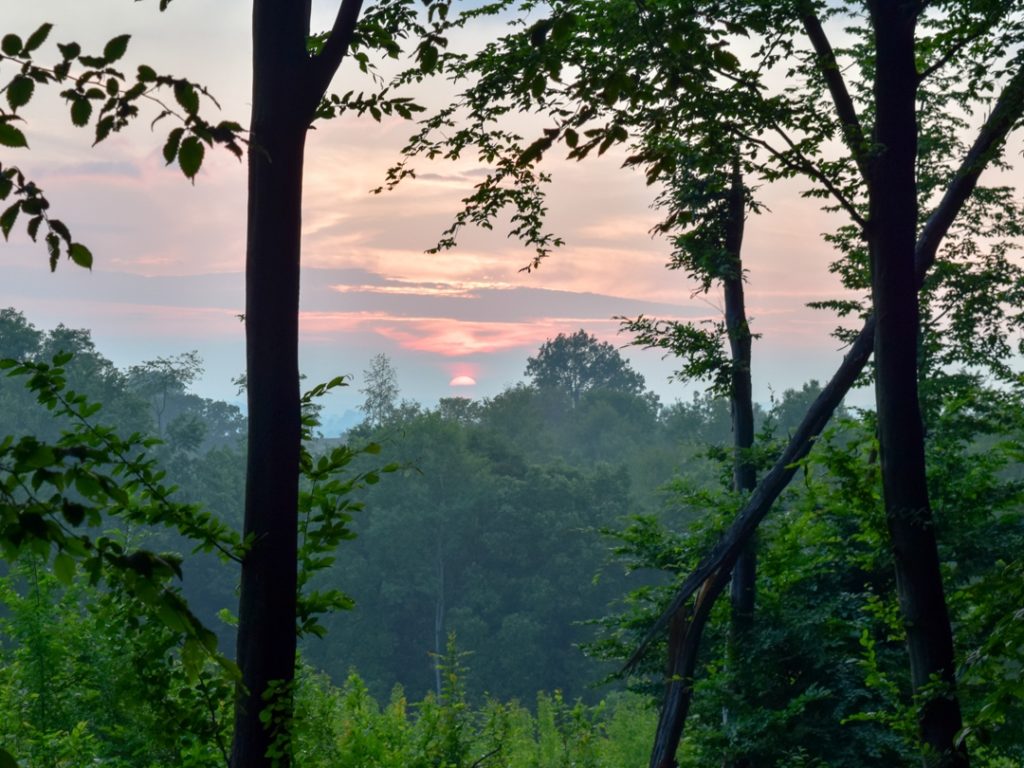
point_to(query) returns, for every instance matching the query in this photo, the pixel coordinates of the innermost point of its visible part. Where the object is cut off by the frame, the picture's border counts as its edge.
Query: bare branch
(325, 64)
(853, 133)
(804, 165)
(1005, 115)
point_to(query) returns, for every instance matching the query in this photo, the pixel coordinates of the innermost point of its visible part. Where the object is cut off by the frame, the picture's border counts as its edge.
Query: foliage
(821, 678)
(98, 92)
(578, 363)
(380, 385)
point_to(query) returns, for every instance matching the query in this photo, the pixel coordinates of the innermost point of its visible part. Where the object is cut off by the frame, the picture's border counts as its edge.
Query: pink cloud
(450, 337)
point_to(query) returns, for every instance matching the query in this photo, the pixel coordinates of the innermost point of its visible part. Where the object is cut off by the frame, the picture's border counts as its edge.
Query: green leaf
(192, 657)
(33, 226)
(11, 136)
(81, 255)
(186, 96)
(81, 110)
(87, 485)
(428, 57)
(172, 144)
(172, 618)
(53, 246)
(115, 49)
(11, 45)
(8, 217)
(190, 156)
(146, 74)
(38, 37)
(7, 760)
(64, 568)
(69, 50)
(20, 90)
(73, 512)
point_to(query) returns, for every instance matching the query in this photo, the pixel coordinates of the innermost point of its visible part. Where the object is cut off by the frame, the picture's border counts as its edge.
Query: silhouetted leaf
(38, 37)
(81, 111)
(172, 144)
(190, 156)
(11, 136)
(19, 91)
(186, 96)
(11, 45)
(7, 219)
(115, 49)
(80, 255)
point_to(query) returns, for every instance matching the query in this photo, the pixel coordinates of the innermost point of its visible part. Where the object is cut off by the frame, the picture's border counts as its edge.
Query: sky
(169, 255)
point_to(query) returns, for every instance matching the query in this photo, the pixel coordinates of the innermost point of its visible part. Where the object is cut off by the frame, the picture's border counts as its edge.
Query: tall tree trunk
(743, 589)
(266, 618)
(893, 225)
(686, 630)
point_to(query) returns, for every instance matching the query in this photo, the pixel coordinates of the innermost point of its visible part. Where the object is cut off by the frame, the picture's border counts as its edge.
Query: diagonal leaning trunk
(892, 233)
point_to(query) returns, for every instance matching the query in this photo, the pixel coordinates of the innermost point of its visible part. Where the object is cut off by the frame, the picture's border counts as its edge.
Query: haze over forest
(512, 385)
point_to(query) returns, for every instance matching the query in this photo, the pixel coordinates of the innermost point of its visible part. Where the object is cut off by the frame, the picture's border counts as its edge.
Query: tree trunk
(741, 397)
(743, 589)
(686, 632)
(893, 224)
(266, 617)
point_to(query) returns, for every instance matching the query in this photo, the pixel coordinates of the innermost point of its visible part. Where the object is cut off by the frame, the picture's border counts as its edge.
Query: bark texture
(266, 617)
(893, 219)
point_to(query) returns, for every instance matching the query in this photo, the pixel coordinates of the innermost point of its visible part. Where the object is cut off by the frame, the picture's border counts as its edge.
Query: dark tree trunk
(743, 589)
(893, 220)
(686, 630)
(266, 617)
(741, 397)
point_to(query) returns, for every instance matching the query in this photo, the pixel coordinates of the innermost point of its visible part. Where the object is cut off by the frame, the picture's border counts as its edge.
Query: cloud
(99, 168)
(450, 336)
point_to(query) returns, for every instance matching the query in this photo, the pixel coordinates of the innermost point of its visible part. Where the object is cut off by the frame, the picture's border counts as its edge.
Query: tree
(576, 364)
(161, 378)
(380, 385)
(598, 71)
(292, 71)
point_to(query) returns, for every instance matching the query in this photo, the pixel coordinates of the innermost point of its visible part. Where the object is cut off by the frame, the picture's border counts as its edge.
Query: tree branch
(807, 167)
(853, 132)
(325, 64)
(1005, 115)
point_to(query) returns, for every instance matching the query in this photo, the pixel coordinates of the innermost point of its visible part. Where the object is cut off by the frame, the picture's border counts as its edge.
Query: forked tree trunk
(287, 86)
(893, 220)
